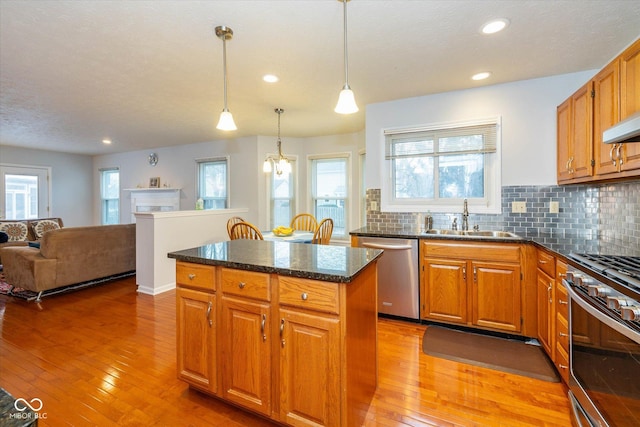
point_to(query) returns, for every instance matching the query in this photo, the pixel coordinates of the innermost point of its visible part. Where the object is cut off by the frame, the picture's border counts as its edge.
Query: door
(24, 192)
(545, 312)
(309, 369)
(445, 288)
(606, 114)
(196, 338)
(495, 292)
(246, 354)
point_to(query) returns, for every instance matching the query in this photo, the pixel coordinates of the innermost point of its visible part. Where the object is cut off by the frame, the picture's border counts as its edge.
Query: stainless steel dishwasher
(398, 280)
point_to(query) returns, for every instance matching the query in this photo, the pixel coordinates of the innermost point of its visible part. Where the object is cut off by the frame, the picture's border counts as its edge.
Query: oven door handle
(602, 317)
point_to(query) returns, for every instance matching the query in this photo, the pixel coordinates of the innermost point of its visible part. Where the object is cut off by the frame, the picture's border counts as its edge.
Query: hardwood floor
(106, 356)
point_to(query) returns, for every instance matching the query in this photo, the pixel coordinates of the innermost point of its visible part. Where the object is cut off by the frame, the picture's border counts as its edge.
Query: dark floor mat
(513, 356)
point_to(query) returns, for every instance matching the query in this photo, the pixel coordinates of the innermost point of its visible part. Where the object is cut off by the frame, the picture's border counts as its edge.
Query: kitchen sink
(474, 233)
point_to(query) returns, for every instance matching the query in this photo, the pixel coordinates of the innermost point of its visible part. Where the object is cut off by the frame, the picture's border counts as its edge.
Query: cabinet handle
(613, 147)
(262, 325)
(475, 274)
(561, 366)
(464, 273)
(618, 154)
(209, 314)
(562, 334)
(241, 285)
(549, 292)
(304, 296)
(540, 261)
(563, 302)
(562, 275)
(191, 276)
(282, 332)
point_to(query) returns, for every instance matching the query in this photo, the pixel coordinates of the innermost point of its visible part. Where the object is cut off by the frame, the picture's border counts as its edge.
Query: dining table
(298, 236)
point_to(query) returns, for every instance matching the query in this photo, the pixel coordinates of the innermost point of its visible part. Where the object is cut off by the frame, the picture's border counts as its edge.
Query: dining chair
(245, 230)
(322, 235)
(304, 221)
(231, 222)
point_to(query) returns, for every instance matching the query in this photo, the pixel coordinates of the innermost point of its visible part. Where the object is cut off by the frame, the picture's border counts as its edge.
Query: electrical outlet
(374, 206)
(518, 207)
(554, 207)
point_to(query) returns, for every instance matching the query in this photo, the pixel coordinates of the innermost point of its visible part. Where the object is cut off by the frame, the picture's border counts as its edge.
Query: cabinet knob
(191, 276)
(241, 285)
(304, 296)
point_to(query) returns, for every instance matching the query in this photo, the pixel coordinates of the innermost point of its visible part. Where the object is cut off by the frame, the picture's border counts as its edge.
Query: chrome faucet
(465, 216)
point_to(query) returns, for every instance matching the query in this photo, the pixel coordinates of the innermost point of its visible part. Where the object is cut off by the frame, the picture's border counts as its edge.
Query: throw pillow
(43, 226)
(17, 231)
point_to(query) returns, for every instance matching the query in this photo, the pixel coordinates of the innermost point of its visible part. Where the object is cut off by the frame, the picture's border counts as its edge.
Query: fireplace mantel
(154, 200)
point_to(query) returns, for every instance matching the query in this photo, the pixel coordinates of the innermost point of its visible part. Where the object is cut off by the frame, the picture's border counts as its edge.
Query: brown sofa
(23, 231)
(71, 255)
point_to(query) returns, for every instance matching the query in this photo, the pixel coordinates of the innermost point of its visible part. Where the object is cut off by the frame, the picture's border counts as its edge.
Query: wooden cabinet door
(196, 340)
(496, 295)
(564, 140)
(310, 392)
(544, 294)
(581, 153)
(630, 80)
(606, 114)
(445, 290)
(246, 354)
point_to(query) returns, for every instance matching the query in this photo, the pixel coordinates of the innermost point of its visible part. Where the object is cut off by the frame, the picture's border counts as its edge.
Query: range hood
(627, 130)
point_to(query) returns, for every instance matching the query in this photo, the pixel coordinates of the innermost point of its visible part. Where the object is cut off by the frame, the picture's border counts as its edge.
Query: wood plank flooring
(106, 356)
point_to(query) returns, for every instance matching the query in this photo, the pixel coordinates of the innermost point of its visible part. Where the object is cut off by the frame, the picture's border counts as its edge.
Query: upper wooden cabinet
(612, 95)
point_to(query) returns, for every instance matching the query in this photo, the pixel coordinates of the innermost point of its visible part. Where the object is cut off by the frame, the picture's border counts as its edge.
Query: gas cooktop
(623, 269)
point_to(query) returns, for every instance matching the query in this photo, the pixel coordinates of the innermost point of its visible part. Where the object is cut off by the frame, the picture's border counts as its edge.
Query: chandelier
(280, 163)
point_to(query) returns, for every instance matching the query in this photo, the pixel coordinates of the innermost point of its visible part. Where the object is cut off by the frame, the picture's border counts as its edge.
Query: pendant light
(281, 164)
(226, 119)
(346, 100)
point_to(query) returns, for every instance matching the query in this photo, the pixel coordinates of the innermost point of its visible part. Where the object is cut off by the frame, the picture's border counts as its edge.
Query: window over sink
(435, 167)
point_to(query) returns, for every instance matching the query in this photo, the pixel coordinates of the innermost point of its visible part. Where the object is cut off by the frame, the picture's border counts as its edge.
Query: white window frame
(491, 203)
(293, 200)
(103, 200)
(43, 175)
(347, 198)
(224, 159)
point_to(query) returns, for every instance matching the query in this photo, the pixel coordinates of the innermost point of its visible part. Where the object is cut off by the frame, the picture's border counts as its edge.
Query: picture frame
(154, 182)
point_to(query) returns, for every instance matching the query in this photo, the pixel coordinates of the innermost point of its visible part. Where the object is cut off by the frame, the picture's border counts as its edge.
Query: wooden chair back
(245, 230)
(322, 235)
(231, 222)
(304, 221)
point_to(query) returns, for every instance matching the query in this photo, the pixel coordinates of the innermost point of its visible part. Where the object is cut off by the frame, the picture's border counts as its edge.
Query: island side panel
(362, 343)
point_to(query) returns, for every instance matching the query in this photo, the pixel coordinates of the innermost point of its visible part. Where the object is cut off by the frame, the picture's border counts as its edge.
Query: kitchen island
(286, 330)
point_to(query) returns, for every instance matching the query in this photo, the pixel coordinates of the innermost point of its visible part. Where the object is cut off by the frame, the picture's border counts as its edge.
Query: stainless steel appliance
(604, 325)
(398, 281)
(627, 130)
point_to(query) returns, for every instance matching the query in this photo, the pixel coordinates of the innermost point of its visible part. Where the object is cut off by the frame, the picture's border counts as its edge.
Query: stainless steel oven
(604, 324)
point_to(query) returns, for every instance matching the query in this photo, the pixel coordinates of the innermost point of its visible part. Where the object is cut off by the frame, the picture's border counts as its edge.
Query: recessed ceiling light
(480, 76)
(494, 26)
(106, 141)
(270, 78)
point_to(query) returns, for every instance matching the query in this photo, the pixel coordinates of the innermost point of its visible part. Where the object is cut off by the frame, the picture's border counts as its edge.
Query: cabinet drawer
(248, 284)
(310, 294)
(562, 301)
(562, 333)
(562, 363)
(498, 252)
(196, 275)
(547, 263)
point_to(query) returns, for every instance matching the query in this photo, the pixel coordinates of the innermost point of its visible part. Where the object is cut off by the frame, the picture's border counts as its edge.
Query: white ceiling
(149, 73)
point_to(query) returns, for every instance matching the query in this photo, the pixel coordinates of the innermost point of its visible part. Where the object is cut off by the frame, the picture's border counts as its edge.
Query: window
(110, 196)
(24, 192)
(435, 168)
(213, 183)
(330, 190)
(282, 197)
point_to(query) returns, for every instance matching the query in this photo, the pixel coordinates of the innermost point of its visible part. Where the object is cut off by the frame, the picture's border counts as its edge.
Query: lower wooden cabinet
(301, 352)
(473, 284)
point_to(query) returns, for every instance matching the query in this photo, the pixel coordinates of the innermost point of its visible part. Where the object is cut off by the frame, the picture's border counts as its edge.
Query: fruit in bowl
(282, 231)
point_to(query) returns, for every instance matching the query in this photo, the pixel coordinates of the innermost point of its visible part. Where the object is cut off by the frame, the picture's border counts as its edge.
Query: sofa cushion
(41, 227)
(17, 231)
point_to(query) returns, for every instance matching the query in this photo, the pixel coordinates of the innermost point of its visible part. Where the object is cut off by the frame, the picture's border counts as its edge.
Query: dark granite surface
(560, 243)
(320, 262)
(22, 416)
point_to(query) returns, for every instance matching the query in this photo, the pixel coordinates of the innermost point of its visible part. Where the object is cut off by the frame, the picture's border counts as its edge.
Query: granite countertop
(319, 262)
(558, 242)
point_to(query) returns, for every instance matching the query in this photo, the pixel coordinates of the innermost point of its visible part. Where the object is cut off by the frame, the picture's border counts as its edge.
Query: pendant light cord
(224, 65)
(346, 58)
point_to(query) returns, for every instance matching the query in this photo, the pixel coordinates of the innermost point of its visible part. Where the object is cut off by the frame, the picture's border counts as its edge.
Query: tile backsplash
(609, 213)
